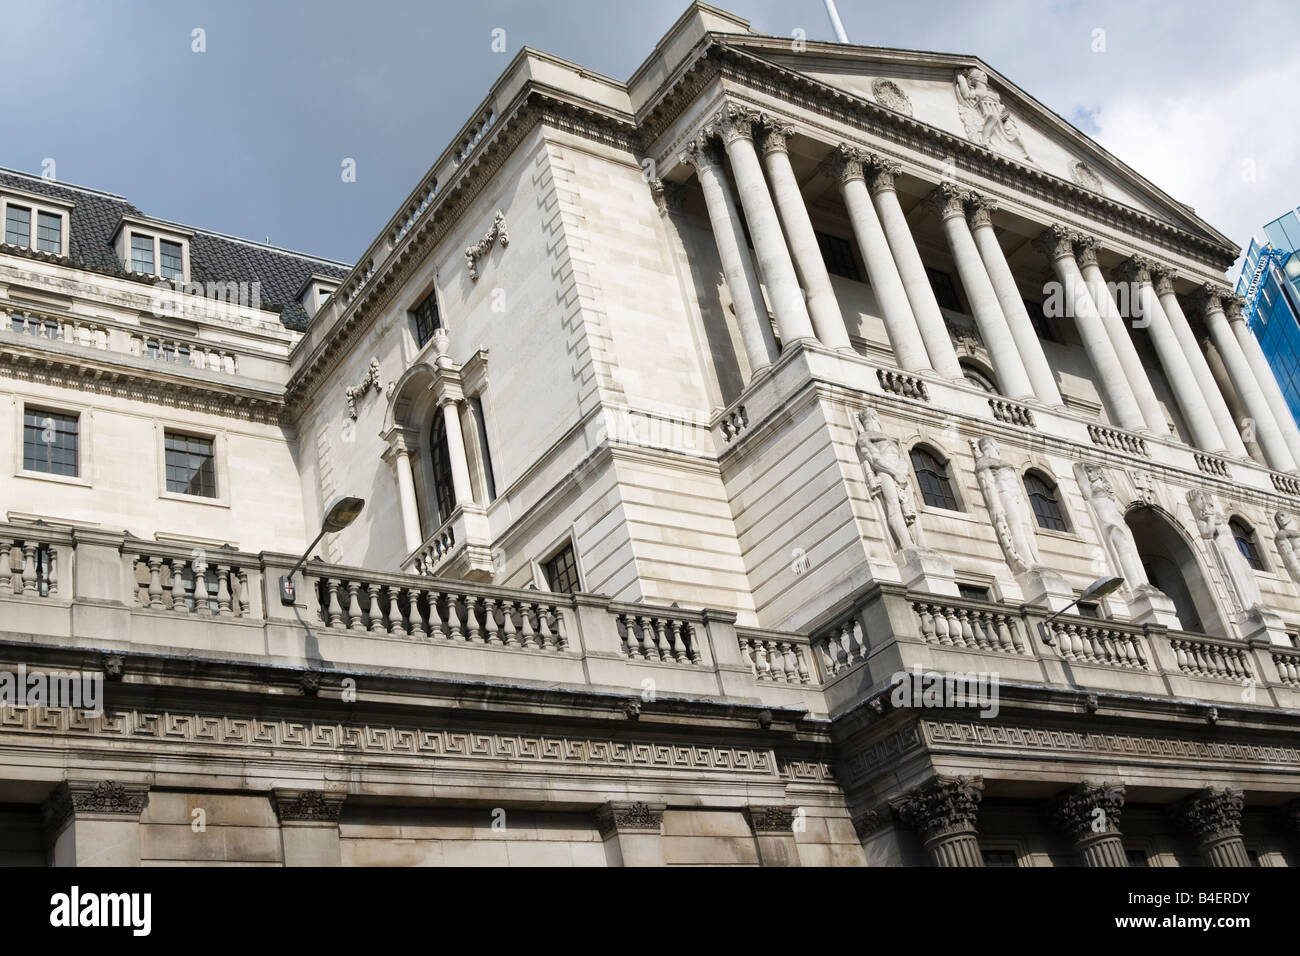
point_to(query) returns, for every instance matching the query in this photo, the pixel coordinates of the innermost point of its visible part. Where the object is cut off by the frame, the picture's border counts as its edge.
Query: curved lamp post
(340, 513)
(1097, 589)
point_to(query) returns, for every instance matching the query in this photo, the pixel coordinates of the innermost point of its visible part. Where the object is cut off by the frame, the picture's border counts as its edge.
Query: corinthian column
(944, 812)
(823, 307)
(1057, 243)
(846, 164)
(1086, 250)
(948, 202)
(979, 213)
(736, 126)
(1213, 820)
(1263, 375)
(737, 267)
(1243, 378)
(1228, 430)
(934, 330)
(1187, 390)
(1089, 816)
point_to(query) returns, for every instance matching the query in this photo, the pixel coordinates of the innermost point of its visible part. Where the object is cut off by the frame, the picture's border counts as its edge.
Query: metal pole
(836, 24)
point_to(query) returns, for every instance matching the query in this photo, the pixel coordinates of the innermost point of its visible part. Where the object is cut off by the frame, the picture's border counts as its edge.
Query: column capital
(104, 798)
(771, 819)
(1162, 277)
(846, 163)
(1211, 297)
(947, 201)
(947, 806)
(1232, 307)
(1076, 810)
(881, 173)
(1056, 242)
(1085, 249)
(669, 197)
(734, 122)
(979, 210)
(774, 135)
(612, 818)
(1211, 814)
(1136, 269)
(307, 806)
(700, 152)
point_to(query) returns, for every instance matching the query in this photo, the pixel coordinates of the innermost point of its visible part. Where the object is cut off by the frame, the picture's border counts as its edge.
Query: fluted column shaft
(737, 267)
(1212, 818)
(949, 204)
(736, 127)
(1234, 358)
(1187, 391)
(1022, 328)
(944, 813)
(460, 482)
(1228, 429)
(1058, 245)
(823, 307)
(1127, 353)
(934, 330)
(900, 324)
(1264, 376)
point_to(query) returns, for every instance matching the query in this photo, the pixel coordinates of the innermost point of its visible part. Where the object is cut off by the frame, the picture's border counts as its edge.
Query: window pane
(443, 488)
(49, 233)
(18, 226)
(49, 442)
(427, 319)
(562, 572)
(190, 465)
(169, 259)
(838, 255)
(1246, 544)
(945, 290)
(142, 253)
(932, 477)
(1046, 505)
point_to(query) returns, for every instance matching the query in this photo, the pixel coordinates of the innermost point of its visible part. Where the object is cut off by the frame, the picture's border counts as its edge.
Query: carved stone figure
(1237, 574)
(1114, 530)
(889, 476)
(987, 121)
(1004, 494)
(1288, 544)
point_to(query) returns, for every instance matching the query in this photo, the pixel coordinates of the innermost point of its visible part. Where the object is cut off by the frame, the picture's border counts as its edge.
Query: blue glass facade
(1276, 323)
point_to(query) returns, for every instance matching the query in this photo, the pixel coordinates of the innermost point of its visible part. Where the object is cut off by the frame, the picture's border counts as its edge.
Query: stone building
(735, 440)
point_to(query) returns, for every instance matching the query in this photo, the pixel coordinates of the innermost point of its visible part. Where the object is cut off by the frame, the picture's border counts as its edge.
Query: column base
(924, 570)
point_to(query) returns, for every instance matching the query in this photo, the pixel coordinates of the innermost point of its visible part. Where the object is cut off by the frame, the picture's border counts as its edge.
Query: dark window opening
(427, 318)
(50, 442)
(932, 476)
(1043, 326)
(838, 256)
(1245, 538)
(191, 465)
(978, 378)
(443, 489)
(562, 572)
(1089, 609)
(945, 289)
(972, 592)
(1046, 503)
(1000, 858)
(481, 425)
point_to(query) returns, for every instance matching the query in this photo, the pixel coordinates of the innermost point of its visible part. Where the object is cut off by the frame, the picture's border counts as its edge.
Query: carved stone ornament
(1211, 814)
(1075, 810)
(771, 819)
(308, 805)
(945, 807)
(355, 392)
(104, 796)
(623, 817)
(986, 120)
(1087, 177)
(481, 248)
(891, 96)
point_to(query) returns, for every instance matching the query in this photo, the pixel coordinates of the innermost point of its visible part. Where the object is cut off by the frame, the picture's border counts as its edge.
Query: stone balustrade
(656, 634)
(1288, 666)
(733, 422)
(74, 331)
(841, 647)
(1287, 484)
(1117, 440)
(194, 581)
(1212, 658)
(29, 564)
(1211, 465)
(773, 656)
(902, 384)
(969, 625)
(1012, 413)
(187, 352)
(1100, 642)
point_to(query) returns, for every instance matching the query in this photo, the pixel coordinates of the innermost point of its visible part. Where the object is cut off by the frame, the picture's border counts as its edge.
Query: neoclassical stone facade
(735, 440)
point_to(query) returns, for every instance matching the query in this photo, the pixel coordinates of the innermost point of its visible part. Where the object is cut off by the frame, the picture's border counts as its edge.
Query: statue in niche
(987, 121)
(1237, 574)
(1288, 544)
(1115, 533)
(1004, 494)
(889, 478)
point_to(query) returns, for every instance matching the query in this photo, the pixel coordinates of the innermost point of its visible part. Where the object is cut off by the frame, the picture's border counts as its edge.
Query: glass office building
(1276, 322)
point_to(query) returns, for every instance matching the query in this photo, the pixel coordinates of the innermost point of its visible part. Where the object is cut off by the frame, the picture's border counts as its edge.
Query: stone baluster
(1212, 817)
(473, 629)
(378, 619)
(201, 588)
(679, 643)
(224, 608)
(178, 585)
(355, 619)
(333, 609)
(416, 617)
(1089, 815)
(490, 622)
(396, 618)
(155, 582)
(528, 634)
(29, 569)
(6, 567)
(455, 623)
(508, 625)
(944, 812)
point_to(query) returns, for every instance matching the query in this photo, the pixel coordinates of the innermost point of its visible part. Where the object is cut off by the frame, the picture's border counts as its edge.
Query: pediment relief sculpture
(986, 120)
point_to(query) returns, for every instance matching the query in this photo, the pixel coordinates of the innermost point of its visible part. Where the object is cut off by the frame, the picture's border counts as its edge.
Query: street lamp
(341, 513)
(1097, 589)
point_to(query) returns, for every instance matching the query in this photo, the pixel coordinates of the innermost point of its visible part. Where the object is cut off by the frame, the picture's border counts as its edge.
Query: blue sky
(248, 137)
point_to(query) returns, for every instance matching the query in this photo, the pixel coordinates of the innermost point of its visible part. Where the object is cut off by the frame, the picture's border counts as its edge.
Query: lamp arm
(303, 560)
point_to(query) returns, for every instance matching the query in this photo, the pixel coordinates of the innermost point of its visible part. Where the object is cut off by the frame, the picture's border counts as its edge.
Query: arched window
(443, 488)
(932, 476)
(978, 378)
(1046, 502)
(1245, 536)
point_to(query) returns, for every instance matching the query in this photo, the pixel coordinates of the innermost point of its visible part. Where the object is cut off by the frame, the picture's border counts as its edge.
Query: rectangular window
(1041, 323)
(191, 465)
(18, 226)
(49, 233)
(142, 254)
(1000, 858)
(562, 572)
(169, 259)
(49, 442)
(972, 592)
(427, 318)
(839, 258)
(945, 290)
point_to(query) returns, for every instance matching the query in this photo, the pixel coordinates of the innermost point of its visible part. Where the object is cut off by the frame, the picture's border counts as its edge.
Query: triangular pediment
(966, 98)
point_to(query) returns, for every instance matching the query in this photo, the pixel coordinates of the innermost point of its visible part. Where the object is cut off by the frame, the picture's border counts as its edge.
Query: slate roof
(213, 257)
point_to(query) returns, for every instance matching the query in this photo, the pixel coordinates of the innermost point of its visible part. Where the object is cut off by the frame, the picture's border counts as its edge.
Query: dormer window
(316, 292)
(151, 249)
(34, 222)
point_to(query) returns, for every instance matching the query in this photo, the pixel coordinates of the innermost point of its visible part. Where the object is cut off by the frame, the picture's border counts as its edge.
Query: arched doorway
(1172, 567)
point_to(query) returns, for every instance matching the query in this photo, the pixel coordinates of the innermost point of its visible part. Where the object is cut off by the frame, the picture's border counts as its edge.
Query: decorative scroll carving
(308, 805)
(615, 818)
(891, 96)
(355, 392)
(987, 121)
(104, 796)
(771, 819)
(481, 248)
